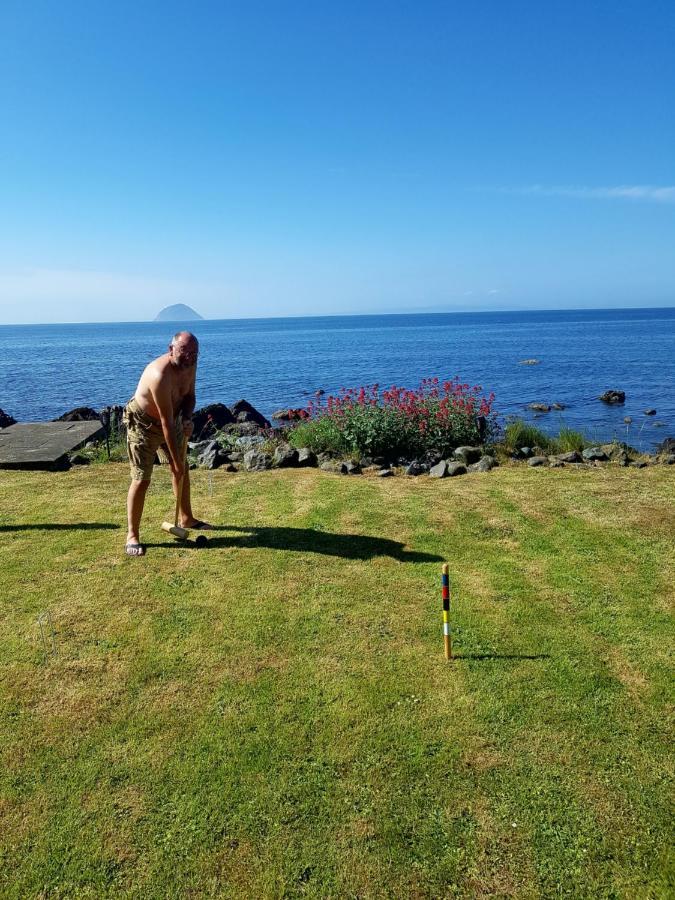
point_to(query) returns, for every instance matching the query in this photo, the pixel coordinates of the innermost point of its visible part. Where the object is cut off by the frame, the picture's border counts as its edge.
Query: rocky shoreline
(240, 438)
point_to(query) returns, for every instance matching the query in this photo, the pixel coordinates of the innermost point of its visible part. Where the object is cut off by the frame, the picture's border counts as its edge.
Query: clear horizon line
(428, 312)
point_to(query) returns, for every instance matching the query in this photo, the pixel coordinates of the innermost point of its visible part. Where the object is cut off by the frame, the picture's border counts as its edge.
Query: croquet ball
(201, 541)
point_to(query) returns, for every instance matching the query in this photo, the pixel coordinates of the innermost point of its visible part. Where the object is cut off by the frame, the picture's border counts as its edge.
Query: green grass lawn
(273, 716)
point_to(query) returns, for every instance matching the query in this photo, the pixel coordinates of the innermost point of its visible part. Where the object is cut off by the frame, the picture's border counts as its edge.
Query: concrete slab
(44, 445)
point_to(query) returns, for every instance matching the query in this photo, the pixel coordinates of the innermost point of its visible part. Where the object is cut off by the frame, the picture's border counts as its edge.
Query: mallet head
(175, 530)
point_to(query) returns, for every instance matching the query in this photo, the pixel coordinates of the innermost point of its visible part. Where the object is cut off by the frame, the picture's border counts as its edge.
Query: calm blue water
(48, 369)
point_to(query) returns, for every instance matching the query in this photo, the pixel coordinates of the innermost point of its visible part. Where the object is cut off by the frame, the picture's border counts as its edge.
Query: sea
(46, 370)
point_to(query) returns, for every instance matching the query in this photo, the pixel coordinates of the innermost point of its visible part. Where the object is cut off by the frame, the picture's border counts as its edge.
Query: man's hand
(188, 428)
(176, 471)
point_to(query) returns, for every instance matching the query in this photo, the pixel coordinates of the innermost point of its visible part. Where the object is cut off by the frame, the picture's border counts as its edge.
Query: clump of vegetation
(435, 418)
(568, 439)
(521, 434)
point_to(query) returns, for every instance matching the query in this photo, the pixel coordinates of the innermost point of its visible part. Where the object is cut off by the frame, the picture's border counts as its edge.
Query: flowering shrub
(434, 418)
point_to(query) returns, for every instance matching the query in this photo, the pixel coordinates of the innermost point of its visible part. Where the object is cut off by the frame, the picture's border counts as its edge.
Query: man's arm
(161, 393)
(187, 406)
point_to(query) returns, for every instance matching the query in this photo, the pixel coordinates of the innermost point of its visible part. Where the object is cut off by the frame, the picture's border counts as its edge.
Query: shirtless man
(159, 415)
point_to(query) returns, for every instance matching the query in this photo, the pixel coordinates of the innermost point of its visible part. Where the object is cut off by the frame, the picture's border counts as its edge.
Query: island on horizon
(179, 312)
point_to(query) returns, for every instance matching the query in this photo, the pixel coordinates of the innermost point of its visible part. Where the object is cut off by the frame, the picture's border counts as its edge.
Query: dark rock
(210, 419)
(555, 463)
(440, 470)
(484, 464)
(558, 406)
(456, 468)
(285, 457)
(525, 452)
(468, 455)
(384, 473)
(627, 420)
(667, 446)
(613, 397)
(306, 458)
(416, 468)
(255, 461)
(650, 412)
(79, 414)
(539, 407)
(330, 465)
(235, 455)
(211, 455)
(639, 464)
(573, 456)
(537, 461)
(668, 459)
(349, 467)
(366, 461)
(529, 362)
(594, 454)
(242, 429)
(244, 412)
(231, 468)
(6, 420)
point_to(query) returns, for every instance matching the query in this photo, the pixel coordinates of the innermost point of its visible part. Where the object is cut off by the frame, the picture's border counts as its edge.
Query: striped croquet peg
(445, 582)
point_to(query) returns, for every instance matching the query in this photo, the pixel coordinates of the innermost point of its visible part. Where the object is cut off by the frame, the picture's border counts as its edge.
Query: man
(159, 415)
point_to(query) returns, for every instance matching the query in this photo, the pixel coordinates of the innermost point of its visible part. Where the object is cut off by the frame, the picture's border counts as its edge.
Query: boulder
(537, 461)
(256, 461)
(79, 414)
(244, 412)
(627, 420)
(594, 454)
(666, 446)
(440, 470)
(468, 455)
(484, 464)
(384, 473)
(525, 452)
(456, 468)
(573, 456)
(211, 455)
(210, 419)
(349, 467)
(613, 397)
(529, 362)
(668, 459)
(650, 412)
(554, 463)
(416, 468)
(639, 464)
(329, 465)
(285, 457)
(6, 420)
(306, 458)
(539, 407)
(558, 406)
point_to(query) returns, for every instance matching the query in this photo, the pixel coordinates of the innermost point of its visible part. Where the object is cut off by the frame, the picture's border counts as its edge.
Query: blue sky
(287, 158)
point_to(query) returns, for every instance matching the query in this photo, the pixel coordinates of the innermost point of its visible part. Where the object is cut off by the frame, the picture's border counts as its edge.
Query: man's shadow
(310, 540)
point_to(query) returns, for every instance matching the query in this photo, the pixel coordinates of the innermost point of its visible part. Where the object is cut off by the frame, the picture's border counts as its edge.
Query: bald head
(184, 349)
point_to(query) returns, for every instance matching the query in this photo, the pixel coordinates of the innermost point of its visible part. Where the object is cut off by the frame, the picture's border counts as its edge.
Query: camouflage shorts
(145, 440)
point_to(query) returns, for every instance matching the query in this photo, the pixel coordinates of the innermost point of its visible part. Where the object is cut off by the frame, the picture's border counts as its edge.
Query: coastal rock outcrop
(243, 412)
(6, 420)
(613, 397)
(79, 414)
(210, 419)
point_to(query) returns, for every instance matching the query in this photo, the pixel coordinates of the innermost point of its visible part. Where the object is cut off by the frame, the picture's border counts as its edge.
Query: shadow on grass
(62, 526)
(502, 656)
(309, 540)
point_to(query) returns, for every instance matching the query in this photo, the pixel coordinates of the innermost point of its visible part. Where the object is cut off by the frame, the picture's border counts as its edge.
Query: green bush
(521, 434)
